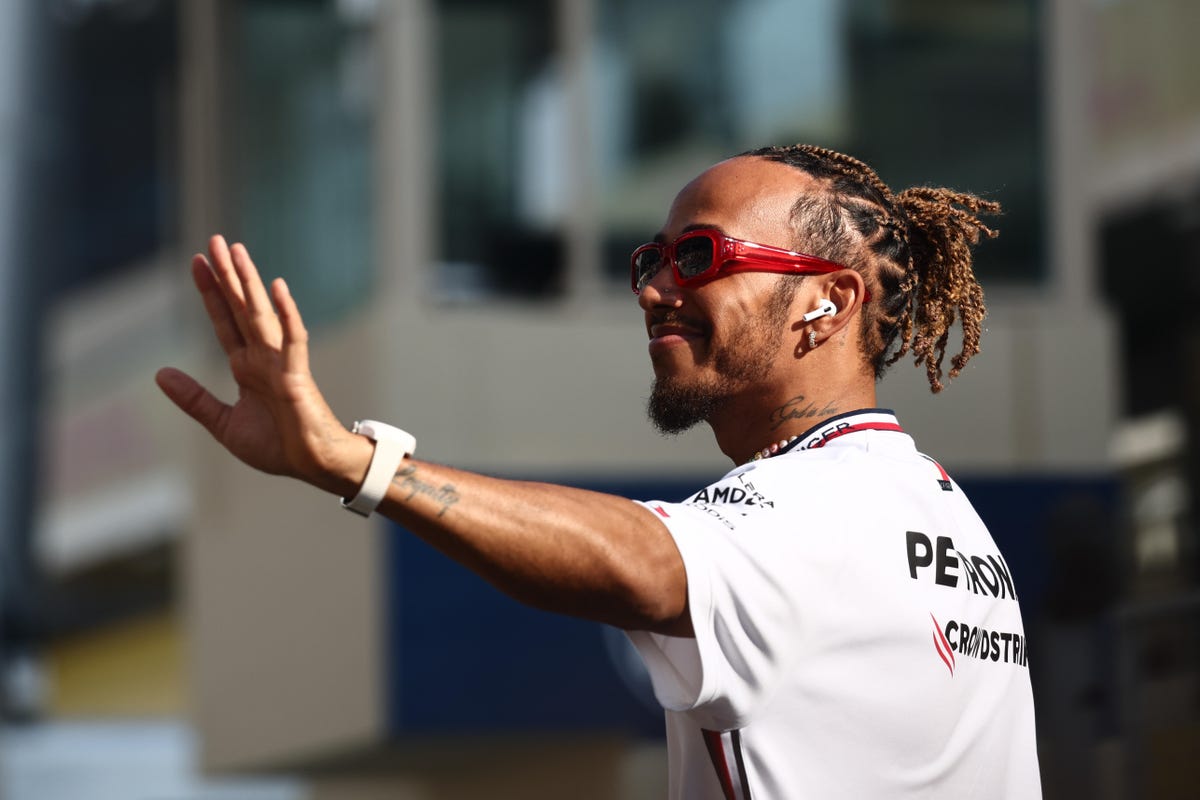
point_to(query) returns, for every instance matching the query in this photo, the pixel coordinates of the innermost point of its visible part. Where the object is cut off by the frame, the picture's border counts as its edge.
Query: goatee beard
(674, 407)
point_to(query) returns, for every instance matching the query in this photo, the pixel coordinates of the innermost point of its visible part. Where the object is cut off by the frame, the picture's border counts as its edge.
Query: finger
(193, 399)
(262, 315)
(229, 283)
(295, 335)
(214, 303)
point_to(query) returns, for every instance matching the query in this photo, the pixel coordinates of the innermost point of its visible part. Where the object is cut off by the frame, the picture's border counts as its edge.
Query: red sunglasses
(703, 255)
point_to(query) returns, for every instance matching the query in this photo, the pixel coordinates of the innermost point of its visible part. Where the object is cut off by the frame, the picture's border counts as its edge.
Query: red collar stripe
(865, 426)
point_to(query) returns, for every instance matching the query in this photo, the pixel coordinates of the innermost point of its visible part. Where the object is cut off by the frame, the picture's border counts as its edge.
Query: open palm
(279, 423)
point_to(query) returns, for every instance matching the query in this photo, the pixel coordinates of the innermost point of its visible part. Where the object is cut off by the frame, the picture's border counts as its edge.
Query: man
(831, 618)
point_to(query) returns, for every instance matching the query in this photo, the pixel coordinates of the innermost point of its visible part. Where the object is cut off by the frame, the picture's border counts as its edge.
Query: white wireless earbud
(826, 309)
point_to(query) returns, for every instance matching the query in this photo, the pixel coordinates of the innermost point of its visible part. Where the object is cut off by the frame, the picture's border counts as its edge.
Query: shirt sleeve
(742, 600)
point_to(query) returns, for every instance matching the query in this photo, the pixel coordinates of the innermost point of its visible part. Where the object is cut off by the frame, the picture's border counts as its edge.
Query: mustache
(672, 316)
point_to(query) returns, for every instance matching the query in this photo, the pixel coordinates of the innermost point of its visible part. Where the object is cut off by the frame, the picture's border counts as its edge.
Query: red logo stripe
(942, 645)
(938, 646)
(937, 628)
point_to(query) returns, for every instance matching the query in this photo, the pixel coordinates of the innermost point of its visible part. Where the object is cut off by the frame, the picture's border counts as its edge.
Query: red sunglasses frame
(733, 255)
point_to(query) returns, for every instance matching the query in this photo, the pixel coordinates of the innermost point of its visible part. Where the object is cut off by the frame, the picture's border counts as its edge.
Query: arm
(576, 552)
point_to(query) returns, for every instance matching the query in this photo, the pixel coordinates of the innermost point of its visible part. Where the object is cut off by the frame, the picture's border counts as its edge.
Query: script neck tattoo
(796, 408)
(799, 408)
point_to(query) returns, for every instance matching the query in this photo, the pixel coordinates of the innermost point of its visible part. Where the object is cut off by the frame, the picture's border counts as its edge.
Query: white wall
(534, 392)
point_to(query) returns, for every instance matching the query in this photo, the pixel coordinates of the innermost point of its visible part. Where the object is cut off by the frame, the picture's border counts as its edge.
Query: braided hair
(912, 248)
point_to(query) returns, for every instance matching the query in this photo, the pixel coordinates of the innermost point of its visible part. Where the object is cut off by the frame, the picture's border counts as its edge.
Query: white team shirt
(857, 631)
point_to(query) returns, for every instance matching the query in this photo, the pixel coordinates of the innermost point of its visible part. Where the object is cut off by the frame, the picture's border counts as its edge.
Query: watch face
(372, 429)
(381, 431)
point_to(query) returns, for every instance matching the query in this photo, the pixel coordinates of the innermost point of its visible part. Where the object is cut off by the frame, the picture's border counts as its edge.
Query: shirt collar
(865, 419)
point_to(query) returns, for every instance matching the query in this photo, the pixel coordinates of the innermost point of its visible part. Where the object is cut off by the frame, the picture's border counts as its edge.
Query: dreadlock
(912, 248)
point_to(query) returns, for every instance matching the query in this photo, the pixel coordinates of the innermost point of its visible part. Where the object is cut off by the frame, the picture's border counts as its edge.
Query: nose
(660, 290)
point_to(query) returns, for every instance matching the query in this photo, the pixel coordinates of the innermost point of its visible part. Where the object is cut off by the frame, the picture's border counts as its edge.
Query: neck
(752, 427)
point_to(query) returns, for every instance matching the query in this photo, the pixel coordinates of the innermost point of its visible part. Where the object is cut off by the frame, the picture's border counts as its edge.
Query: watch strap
(392, 446)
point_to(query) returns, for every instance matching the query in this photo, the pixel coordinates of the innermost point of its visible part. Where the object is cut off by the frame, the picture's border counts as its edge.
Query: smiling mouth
(665, 330)
(668, 335)
(672, 325)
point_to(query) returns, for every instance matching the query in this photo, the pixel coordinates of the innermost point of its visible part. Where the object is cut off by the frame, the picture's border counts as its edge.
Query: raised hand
(280, 423)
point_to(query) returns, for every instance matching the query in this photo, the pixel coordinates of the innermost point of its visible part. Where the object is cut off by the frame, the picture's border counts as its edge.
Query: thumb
(193, 399)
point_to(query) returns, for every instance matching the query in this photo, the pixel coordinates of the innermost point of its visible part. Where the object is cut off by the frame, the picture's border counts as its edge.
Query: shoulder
(763, 484)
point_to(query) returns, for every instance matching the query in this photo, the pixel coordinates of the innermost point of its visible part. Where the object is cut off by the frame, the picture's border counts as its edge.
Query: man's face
(720, 341)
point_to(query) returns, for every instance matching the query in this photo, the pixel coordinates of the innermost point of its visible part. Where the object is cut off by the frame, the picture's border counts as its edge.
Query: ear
(845, 289)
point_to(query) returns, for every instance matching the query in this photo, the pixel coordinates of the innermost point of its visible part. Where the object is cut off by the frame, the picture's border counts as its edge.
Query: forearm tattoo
(445, 495)
(797, 408)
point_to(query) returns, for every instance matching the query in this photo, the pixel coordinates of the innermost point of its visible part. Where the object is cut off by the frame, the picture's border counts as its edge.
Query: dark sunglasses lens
(646, 263)
(693, 256)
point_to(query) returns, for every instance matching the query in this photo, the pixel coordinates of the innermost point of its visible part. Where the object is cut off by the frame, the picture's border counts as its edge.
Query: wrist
(391, 447)
(342, 464)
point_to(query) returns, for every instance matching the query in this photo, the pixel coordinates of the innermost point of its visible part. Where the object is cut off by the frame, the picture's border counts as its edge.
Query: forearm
(591, 555)
(567, 550)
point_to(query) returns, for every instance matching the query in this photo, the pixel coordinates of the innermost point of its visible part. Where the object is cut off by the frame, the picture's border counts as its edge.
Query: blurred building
(452, 188)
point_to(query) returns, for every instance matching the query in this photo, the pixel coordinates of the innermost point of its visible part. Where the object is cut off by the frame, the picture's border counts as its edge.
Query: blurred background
(452, 187)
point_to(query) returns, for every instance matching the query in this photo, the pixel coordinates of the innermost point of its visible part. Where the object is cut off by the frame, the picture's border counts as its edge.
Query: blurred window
(949, 93)
(1159, 339)
(110, 74)
(500, 135)
(301, 147)
(926, 91)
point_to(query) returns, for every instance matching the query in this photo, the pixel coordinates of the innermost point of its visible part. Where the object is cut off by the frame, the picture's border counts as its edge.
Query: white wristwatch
(392, 446)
